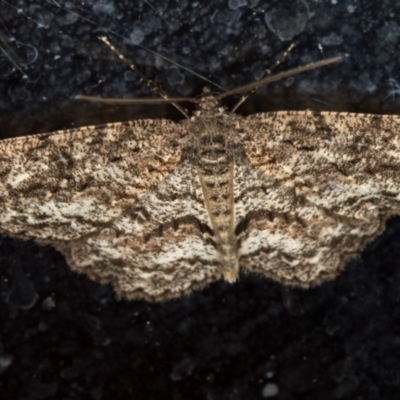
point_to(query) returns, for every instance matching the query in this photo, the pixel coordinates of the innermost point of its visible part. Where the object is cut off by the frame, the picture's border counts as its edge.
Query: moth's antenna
(249, 88)
(266, 73)
(255, 85)
(150, 84)
(137, 101)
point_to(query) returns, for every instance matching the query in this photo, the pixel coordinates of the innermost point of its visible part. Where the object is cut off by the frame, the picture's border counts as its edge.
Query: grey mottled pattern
(158, 208)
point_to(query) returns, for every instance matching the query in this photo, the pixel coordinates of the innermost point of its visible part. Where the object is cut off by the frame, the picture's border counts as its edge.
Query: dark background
(65, 337)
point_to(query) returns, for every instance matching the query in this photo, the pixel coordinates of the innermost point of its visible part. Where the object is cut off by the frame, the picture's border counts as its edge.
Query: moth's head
(208, 102)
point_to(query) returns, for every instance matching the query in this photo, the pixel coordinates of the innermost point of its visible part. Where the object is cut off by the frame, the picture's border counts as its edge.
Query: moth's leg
(269, 71)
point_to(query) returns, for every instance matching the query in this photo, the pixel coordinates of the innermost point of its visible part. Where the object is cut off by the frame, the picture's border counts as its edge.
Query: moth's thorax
(212, 127)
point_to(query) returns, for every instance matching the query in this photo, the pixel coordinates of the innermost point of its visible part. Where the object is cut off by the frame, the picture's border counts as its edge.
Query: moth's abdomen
(216, 176)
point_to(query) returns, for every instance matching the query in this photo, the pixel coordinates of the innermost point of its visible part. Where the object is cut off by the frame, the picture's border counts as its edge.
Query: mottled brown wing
(318, 188)
(67, 184)
(117, 201)
(159, 248)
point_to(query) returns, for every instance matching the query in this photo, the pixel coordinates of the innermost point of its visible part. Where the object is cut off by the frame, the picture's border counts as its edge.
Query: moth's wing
(159, 248)
(317, 188)
(117, 201)
(65, 185)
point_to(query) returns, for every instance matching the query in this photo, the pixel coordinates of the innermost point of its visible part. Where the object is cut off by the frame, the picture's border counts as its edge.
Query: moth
(158, 208)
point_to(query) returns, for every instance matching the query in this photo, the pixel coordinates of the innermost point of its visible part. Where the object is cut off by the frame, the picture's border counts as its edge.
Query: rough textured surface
(158, 208)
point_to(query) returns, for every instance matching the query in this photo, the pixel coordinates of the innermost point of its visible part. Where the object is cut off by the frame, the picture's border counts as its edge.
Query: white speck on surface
(351, 9)
(270, 390)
